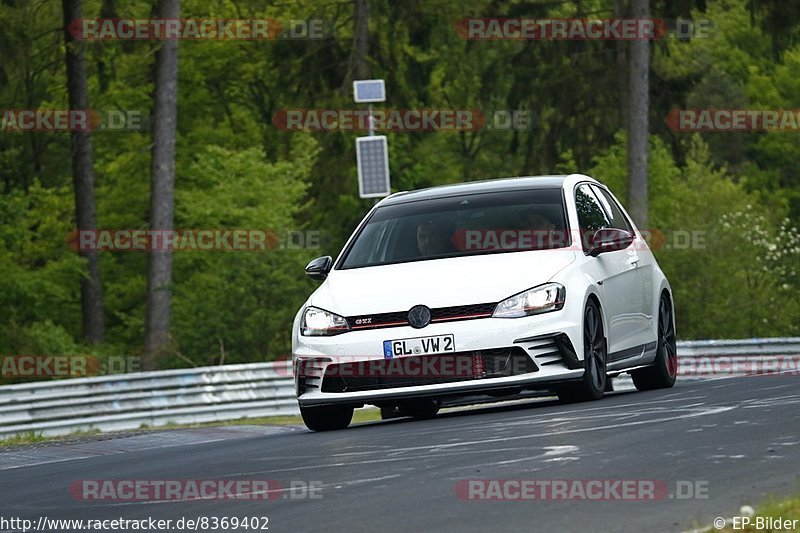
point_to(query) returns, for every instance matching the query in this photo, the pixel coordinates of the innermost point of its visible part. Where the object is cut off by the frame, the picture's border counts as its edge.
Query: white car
(489, 287)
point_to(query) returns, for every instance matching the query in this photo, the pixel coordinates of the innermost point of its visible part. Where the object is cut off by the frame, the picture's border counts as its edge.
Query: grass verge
(769, 513)
(360, 415)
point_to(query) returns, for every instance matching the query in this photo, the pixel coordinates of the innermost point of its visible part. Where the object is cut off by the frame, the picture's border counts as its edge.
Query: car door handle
(633, 260)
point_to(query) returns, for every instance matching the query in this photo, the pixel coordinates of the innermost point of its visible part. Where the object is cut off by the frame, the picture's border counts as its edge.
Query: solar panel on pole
(372, 157)
(369, 91)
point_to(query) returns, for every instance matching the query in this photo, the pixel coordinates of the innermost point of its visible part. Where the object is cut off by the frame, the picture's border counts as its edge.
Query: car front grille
(426, 370)
(441, 314)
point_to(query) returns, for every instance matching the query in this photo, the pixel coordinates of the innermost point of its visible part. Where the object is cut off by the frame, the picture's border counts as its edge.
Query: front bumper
(548, 342)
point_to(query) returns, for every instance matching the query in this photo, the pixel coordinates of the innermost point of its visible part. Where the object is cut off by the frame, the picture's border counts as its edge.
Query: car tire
(664, 371)
(390, 411)
(592, 385)
(421, 409)
(326, 418)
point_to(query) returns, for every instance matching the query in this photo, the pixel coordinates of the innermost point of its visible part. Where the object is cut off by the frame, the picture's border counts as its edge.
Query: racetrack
(738, 438)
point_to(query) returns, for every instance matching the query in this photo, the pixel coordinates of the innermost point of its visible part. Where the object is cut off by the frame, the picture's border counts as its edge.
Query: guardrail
(726, 358)
(130, 401)
(231, 392)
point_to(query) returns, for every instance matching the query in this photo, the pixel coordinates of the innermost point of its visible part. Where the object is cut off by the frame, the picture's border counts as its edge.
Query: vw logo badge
(419, 316)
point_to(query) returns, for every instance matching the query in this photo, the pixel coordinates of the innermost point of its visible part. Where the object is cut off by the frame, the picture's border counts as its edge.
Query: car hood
(437, 283)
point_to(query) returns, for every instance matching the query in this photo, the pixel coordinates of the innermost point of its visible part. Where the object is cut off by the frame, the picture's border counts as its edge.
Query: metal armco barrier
(231, 392)
(130, 401)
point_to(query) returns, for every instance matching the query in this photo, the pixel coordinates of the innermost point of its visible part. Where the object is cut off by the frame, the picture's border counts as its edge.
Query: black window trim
(614, 201)
(575, 201)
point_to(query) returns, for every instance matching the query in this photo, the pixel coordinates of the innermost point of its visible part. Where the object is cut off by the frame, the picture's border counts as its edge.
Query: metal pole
(369, 121)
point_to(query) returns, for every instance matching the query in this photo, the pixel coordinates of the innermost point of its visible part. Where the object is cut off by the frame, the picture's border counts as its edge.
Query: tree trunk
(83, 179)
(638, 120)
(358, 69)
(105, 74)
(162, 184)
(621, 53)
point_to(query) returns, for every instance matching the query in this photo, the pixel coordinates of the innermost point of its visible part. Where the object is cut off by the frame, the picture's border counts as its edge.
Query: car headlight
(541, 299)
(319, 322)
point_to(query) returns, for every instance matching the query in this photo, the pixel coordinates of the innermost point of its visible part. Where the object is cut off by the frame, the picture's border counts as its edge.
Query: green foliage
(734, 196)
(240, 304)
(39, 288)
(730, 260)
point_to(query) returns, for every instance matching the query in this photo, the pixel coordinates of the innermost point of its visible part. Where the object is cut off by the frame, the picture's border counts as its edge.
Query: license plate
(419, 346)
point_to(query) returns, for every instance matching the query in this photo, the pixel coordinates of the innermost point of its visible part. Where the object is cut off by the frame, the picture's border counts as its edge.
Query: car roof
(477, 187)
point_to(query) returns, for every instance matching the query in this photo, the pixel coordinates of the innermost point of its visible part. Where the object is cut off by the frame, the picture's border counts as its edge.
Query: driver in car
(542, 229)
(432, 240)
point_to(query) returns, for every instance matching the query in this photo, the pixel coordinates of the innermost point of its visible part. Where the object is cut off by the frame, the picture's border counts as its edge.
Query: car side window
(591, 216)
(615, 215)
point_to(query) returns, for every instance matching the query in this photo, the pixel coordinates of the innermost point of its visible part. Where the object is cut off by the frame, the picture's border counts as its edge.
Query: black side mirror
(609, 240)
(318, 268)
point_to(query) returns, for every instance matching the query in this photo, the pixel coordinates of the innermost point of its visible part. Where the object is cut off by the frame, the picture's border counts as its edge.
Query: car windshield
(496, 222)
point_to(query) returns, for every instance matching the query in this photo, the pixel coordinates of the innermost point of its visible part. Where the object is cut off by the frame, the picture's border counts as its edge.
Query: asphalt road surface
(707, 446)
